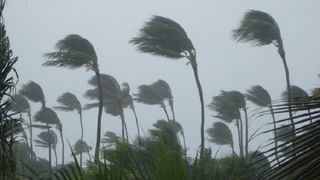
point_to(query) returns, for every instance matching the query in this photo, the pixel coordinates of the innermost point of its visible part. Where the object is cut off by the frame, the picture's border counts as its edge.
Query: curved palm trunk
(49, 146)
(81, 123)
(172, 110)
(165, 111)
(137, 123)
(30, 131)
(202, 145)
(96, 154)
(62, 141)
(246, 132)
(56, 157)
(124, 125)
(239, 137)
(232, 147)
(275, 134)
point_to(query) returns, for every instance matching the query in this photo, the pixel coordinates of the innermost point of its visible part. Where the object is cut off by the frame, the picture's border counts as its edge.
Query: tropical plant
(220, 134)
(164, 37)
(115, 99)
(261, 29)
(69, 102)
(81, 147)
(59, 127)
(49, 117)
(33, 92)
(48, 139)
(74, 52)
(261, 97)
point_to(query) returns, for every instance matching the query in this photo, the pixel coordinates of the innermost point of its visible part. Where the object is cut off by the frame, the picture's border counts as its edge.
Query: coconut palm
(261, 29)
(20, 104)
(33, 92)
(114, 100)
(69, 102)
(81, 147)
(49, 117)
(228, 105)
(154, 94)
(220, 134)
(164, 37)
(298, 96)
(261, 97)
(74, 52)
(48, 140)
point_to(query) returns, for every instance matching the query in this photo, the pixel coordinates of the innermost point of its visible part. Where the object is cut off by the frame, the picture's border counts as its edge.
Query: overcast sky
(34, 26)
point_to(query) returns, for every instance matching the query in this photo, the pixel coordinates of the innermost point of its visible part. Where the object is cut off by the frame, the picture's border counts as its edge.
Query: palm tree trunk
(172, 109)
(124, 125)
(247, 132)
(232, 147)
(49, 145)
(81, 123)
(56, 157)
(96, 154)
(202, 145)
(30, 130)
(165, 111)
(137, 123)
(62, 141)
(275, 134)
(283, 57)
(241, 138)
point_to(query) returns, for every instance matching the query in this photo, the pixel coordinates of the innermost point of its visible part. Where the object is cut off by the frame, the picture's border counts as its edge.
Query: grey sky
(34, 26)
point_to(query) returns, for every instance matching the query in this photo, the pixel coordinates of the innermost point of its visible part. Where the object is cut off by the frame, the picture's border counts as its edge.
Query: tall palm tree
(261, 29)
(69, 102)
(74, 52)
(48, 140)
(114, 100)
(220, 134)
(20, 104)
(163, 89)
(261, 97)
(49, 117)
(164, 37)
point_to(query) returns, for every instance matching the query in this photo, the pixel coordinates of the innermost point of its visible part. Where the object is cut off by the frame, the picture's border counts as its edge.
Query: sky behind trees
(34, 26)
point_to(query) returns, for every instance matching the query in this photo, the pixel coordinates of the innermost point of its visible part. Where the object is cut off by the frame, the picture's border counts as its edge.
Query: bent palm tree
(220, 134)
(114, 99)
(74, 52)
(48, 140)
(81, 147)
(69, 102)
(261, 29)
(261, 97)
(164, 37)
(33, 92)
(162, 88)
(59, 127)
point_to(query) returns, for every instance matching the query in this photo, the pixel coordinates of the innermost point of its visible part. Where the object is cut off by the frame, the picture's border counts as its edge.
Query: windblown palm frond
(20, 104)
(220, 134)
(33, 92)
(259, 96)
(72, 52)
(259, 28)
(147, 95)
(110, 138)
(297, 94)
(163, 37)
(69, 102)
(46, 115)
(45, 139)
(300, 149)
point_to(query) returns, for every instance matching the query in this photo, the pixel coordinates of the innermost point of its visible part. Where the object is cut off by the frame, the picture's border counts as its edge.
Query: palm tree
(298, 96)
(261, 29)
(114, 99)
(154, 94)
(164, 37)
(69, 102)
(163, 89)
(81, 147)
(228, 105)
(20, 104)
(33, 92)
(261, 97)
(74, 52)
(48, 139)
(220, 134)
(59, 127)
(47, 116)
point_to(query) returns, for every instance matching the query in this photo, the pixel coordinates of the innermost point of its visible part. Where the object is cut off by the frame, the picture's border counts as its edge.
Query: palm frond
(33, 92)
(220, 134)
(20, 104)
(163, 37)
(69, 102)
(81, 147)
(258, 27)
(147, 95)
(72, 52)
(259, 96)
(46, 115)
